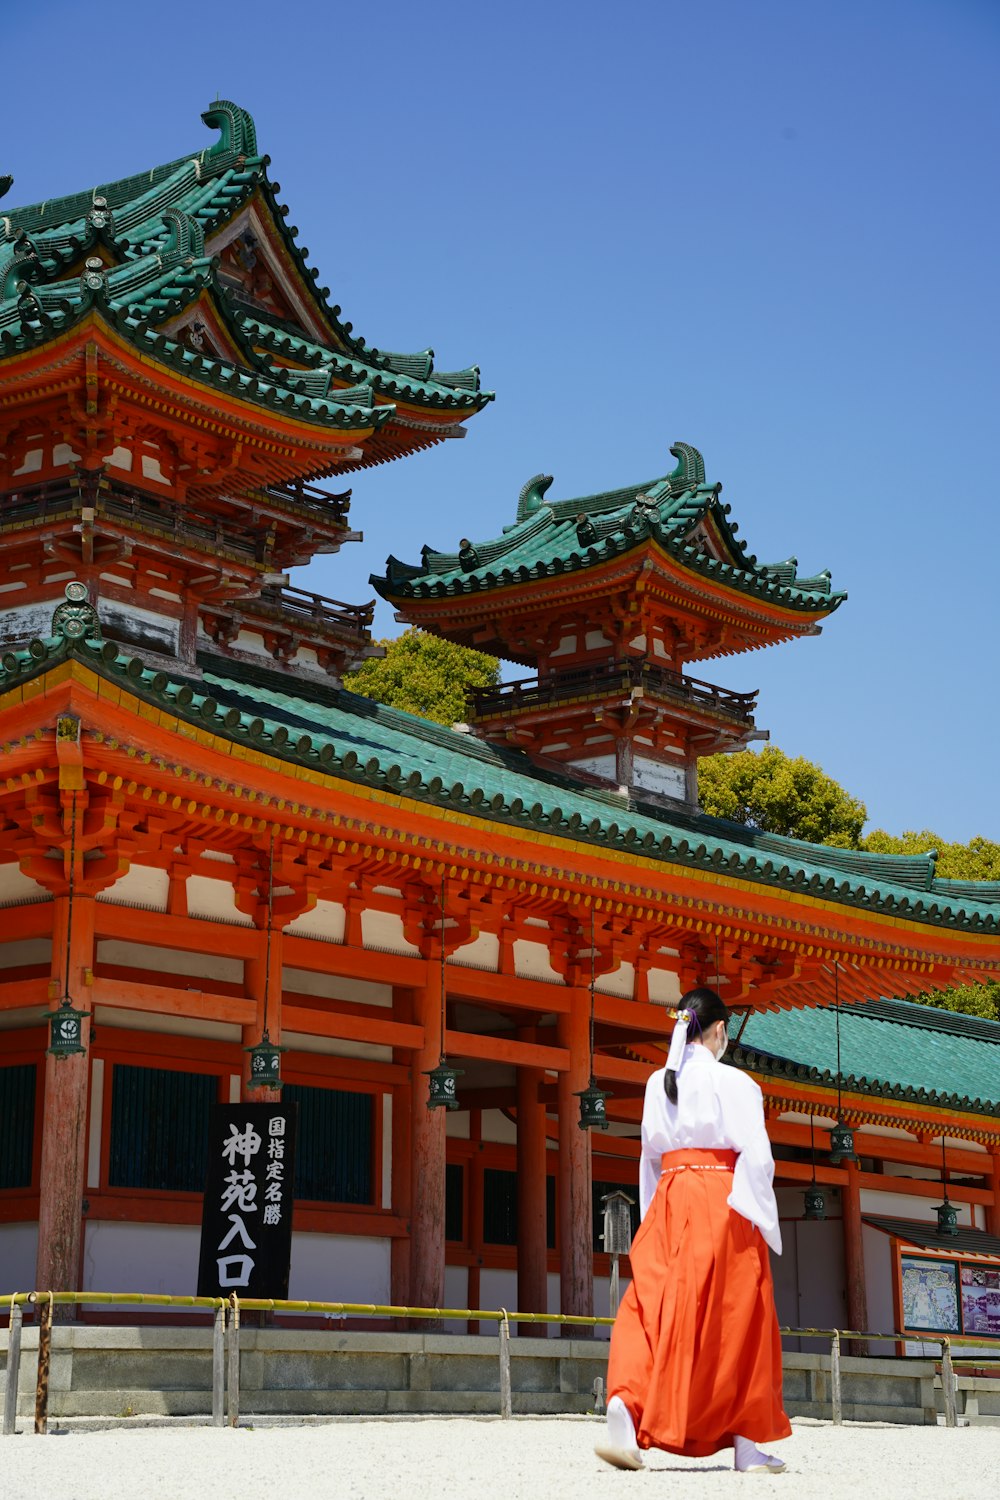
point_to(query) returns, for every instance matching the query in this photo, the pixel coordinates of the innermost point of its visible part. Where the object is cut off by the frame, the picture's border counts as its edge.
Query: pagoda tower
(173, 384)
(609, 598)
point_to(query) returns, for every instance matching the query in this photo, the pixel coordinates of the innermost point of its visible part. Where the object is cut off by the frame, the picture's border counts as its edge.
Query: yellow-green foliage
(424, 675)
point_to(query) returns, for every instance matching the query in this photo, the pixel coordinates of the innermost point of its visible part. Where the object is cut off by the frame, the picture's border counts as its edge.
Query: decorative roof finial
(76, 617)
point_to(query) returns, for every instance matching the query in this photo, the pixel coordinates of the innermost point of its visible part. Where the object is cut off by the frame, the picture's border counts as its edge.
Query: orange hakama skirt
(695, 1350)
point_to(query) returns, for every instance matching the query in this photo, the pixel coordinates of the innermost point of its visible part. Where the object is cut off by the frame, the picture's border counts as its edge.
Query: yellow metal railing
(226, 1332)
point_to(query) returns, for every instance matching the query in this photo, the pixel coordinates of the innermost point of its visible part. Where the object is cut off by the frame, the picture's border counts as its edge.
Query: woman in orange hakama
(695, 1361)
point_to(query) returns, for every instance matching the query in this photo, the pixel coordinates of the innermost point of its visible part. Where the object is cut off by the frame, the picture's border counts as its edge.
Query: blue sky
(765, 228)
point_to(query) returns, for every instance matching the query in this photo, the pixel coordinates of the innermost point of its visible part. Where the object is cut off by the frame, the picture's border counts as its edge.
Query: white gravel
(468, 1459)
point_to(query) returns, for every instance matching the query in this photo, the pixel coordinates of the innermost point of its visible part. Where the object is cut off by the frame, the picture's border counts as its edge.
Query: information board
(930, 1295)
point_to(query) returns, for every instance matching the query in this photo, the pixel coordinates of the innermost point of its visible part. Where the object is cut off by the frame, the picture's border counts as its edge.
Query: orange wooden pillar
(532, 1250)
(64, 1120)
(428, 1139)
(403, 1095)
(576, 1258)
(262, 981)
(993, 1209)
(854, 1258)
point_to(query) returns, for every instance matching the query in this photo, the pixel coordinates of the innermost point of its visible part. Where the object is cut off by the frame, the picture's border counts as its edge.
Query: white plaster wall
(620, 981)
(16, 886)
(659, 776)
(18, 1254)
(664, 987)
(497, 1127)
(169, 960)
(457, 1124)
(497, 1289)
(902, 1206)
(325, 922)
(142, 885)
(333, 1046)
(531, 961)
(23, 951)
(384, 930)
(878, 1284)
(122, 1019)
(141, 1257)
(339, 1268)
(482, 953)
(334, 987)
(599, 765)
(456, 1293)
(215, 900)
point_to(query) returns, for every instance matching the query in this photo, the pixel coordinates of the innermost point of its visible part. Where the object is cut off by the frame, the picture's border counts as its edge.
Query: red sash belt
(704, 1159)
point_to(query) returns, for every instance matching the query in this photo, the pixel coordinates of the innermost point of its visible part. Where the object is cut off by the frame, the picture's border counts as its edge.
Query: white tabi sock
(750, 1459)
(621, 1428)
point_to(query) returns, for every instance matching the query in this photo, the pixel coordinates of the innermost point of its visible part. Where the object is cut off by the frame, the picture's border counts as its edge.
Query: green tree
(979, 859)
(778, 793)
(969, 999)
(424, 675)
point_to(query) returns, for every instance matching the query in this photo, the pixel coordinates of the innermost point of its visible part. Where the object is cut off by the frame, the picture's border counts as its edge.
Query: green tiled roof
(555, 537)
(355, 740)
(891, 1048)
(152, 227)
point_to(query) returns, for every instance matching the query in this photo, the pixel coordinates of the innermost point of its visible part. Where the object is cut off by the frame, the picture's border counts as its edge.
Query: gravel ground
(468, 1459)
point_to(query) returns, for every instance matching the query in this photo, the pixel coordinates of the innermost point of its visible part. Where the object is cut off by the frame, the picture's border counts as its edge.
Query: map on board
(930, 1295)
(981, 1299)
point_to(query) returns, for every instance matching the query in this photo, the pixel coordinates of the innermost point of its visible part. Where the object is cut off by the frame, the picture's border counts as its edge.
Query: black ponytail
(706, 1008)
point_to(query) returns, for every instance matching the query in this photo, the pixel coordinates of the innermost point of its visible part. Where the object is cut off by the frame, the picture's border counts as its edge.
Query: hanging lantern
(593, 1115)
(947, 1218)
(815, 1202)
(842, 1143)
(265, 1064)
(947, 1213)
(443, 1093)
(66, 1030)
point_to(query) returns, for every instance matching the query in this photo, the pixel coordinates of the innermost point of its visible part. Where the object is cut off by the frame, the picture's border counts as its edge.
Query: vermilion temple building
(205, 838)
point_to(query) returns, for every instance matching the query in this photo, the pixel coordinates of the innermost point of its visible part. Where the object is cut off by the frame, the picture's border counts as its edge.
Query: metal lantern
(265, 1064)
(842, 1143)
(66, 1030)
(443, 1093)
(593, 1115)
(815, 1202)
(947, 1218)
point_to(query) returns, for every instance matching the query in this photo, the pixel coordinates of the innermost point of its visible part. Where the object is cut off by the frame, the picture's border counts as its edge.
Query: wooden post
(218, 1365)
(574, 1188)
(44, 1360)
(427, 1237)
(13, 1370)
(854, 1259)
(64, 1117)
(532, 1247)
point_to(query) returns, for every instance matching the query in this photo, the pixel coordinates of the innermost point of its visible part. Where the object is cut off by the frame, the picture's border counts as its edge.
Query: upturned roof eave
(647, 836)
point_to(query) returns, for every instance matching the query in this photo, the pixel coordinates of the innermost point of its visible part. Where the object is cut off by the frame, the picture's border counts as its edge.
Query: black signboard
(246, 1227)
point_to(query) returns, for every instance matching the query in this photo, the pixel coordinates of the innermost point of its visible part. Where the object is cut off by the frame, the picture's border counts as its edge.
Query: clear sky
(765, 227)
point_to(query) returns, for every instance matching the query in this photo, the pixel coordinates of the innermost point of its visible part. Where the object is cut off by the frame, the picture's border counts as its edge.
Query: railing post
(234, 1362)
(506, 1408)
(948, 1385)
(44, 1357)
(835, 1396)
(13, 1369)
(218, 1365)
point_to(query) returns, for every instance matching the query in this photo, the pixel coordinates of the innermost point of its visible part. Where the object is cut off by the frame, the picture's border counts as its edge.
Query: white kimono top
(716, 1107)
